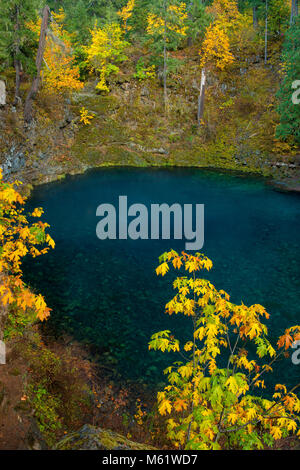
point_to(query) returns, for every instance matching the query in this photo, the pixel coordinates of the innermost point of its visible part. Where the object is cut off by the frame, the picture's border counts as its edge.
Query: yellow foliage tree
(174, 20)
(107, 46)
(125, 13)
(215, 50)
(210, 398)
(225, 13)
(19, 238)
(59, 74)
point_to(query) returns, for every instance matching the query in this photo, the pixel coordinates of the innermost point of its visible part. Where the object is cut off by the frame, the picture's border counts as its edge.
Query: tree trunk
(190, 39)
(294, 11)
(255, 20)
(39, 60)
(266, 34)
(165, 70)
(201, 97)
(17, 63)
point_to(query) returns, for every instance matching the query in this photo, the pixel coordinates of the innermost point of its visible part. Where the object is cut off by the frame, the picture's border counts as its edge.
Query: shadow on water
(106, 293)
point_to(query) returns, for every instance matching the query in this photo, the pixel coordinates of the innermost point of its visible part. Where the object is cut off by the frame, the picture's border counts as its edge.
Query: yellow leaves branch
(17, 239)
(207, 401)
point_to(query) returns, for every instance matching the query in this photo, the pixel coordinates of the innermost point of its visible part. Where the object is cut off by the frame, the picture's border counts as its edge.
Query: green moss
(92, 438)
(128, 125)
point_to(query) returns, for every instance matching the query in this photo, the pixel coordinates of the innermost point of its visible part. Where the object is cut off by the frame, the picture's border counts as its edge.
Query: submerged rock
(93, 438)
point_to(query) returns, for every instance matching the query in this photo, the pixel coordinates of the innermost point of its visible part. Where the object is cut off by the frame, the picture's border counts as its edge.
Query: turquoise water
(106, 293)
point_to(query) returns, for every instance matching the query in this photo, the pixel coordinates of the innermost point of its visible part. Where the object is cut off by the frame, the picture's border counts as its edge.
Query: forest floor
(125, 408)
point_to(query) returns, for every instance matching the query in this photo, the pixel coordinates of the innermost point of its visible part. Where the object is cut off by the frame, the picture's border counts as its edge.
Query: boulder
(93, 438)
(2, 93)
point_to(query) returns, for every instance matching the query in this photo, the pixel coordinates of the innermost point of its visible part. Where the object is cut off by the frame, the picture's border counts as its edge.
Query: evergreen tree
(198, 20)
(289, 94)
(167, 24)
(78, 22)
(17, 42)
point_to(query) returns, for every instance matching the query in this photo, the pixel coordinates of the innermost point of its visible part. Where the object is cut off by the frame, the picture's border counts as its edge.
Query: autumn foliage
(215, 49)
(125, 14)
(210, 400)
(60, 74)
(105, 51)
(19, 238)
(174, 21)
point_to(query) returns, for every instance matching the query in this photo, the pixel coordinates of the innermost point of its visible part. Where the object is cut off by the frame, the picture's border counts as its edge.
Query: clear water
(106, 293)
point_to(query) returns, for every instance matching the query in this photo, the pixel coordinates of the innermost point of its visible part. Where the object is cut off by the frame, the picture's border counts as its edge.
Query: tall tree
(39, 60)
(197, 21)
(215, 54)
(60, 73)
(266, 33)
(294, 11)
(255, 6)
(167, 24)
(254, 14)
(289, 92)
(16, 40)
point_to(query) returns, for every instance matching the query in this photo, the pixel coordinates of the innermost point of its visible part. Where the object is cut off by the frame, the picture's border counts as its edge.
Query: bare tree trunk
(17, 63)
(266, 34)
(255, 20)
(165, 70)
(39, 60)
(294, 11)
(201, 97)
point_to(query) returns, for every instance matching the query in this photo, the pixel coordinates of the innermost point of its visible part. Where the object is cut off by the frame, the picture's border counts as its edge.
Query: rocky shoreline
(15, 167)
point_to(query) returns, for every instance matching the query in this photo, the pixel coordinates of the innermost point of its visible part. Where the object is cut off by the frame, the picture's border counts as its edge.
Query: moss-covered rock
(93, 438)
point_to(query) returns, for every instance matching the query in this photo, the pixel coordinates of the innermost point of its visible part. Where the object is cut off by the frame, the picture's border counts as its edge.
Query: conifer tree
(289, 92)
(167, 24)
(16, 40)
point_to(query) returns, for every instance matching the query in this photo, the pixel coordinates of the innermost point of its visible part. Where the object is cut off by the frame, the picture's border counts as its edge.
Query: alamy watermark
(296, 354)
(185, 222)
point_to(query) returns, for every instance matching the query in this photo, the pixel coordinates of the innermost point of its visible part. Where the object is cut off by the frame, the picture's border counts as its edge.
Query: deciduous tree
(19, 238)
(210, 398)
(60, 74)
(105, 51)
(125, 14)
